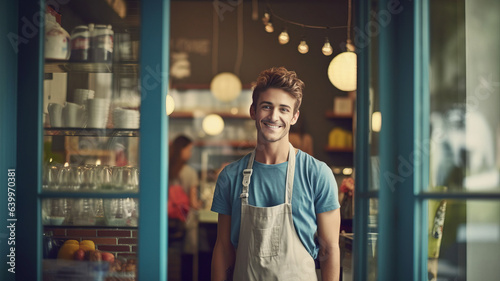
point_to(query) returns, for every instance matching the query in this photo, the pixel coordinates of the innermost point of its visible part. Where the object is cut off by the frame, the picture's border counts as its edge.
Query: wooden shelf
(190, 114)
(333, 115)
(338, 149)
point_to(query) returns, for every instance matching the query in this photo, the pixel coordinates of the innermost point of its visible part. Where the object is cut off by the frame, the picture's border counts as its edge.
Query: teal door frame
(403, 86)
(152, 232)
(362, 154)
(29, 140)
(153, 240)
(8, 122)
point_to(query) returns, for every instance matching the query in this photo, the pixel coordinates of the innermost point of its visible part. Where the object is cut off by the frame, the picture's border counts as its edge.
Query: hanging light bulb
(266, 18)
(303, 48)
(284, 37)
(269, 27)
(327, 48)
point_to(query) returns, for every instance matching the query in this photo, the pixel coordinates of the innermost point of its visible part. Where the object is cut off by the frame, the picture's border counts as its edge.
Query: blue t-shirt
(314, 191)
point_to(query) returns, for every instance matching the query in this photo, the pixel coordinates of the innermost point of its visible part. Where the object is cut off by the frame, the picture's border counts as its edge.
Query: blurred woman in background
(180, 173)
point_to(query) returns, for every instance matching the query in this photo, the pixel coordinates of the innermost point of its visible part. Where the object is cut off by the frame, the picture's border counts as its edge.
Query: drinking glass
(83, 212)
(89, 178)
(104, 181)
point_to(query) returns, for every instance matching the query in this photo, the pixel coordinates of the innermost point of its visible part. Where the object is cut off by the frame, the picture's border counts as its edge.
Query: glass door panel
(464, 239)
(464, 125)
(464, 96)
(91, 113)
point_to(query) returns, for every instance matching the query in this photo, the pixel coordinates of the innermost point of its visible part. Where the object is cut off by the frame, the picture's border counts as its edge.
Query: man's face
(273, 114)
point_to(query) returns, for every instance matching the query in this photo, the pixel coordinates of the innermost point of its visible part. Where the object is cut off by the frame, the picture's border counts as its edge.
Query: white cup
(72, 115)
(55, 114)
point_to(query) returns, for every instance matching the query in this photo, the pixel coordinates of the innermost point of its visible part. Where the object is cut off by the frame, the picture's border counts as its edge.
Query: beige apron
(269, 247)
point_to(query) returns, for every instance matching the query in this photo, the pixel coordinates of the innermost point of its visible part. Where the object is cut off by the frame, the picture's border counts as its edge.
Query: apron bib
(269, 247)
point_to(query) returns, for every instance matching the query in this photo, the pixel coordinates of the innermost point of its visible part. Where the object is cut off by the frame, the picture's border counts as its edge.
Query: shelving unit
(333, 115)
(37, 145)
(342, 121)
(94, 205)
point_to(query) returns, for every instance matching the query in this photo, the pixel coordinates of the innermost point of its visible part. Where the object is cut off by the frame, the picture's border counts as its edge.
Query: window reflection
(465, 122)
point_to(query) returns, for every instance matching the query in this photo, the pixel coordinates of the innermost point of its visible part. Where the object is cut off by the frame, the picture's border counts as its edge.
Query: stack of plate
(126, 118)
(97, 112)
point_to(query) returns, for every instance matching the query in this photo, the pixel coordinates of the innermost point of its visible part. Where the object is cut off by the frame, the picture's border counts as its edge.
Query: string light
(303, 48)
(327, 48)
(284, 37)
(269, 27)
(266, 18)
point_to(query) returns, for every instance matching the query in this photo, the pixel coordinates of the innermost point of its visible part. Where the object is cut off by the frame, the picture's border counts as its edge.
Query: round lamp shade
(213, 124)
(225, 86)
(342, 71)
(170, 104)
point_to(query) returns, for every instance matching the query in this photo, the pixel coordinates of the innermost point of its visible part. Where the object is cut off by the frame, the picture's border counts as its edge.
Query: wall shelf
(338, 149)
(191, 114)
(333, 115)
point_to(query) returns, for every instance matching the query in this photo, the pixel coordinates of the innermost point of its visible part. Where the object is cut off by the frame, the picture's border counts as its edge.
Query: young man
(272, 202)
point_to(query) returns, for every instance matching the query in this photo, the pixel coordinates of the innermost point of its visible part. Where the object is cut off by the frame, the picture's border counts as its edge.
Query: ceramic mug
(55, 114)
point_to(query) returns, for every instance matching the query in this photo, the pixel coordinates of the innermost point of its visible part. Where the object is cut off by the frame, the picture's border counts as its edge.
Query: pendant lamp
(342, 70)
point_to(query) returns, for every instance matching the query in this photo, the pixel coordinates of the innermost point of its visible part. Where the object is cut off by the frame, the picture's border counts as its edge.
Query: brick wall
(120, 242)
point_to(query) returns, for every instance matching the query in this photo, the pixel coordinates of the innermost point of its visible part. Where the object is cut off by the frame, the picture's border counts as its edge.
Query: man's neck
(272, 152)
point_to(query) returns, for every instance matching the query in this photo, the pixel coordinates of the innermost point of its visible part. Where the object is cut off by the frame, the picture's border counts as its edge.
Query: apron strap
(247, 173)
(290, 173)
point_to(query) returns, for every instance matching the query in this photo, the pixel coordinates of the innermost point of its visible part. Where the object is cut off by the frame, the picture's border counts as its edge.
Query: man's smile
(272, 125)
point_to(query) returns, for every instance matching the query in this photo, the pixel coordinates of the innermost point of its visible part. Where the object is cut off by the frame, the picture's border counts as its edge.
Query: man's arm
(224, 254)
(329, 250)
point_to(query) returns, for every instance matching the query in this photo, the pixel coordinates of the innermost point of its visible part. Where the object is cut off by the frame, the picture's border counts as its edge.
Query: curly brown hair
(279, 78)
